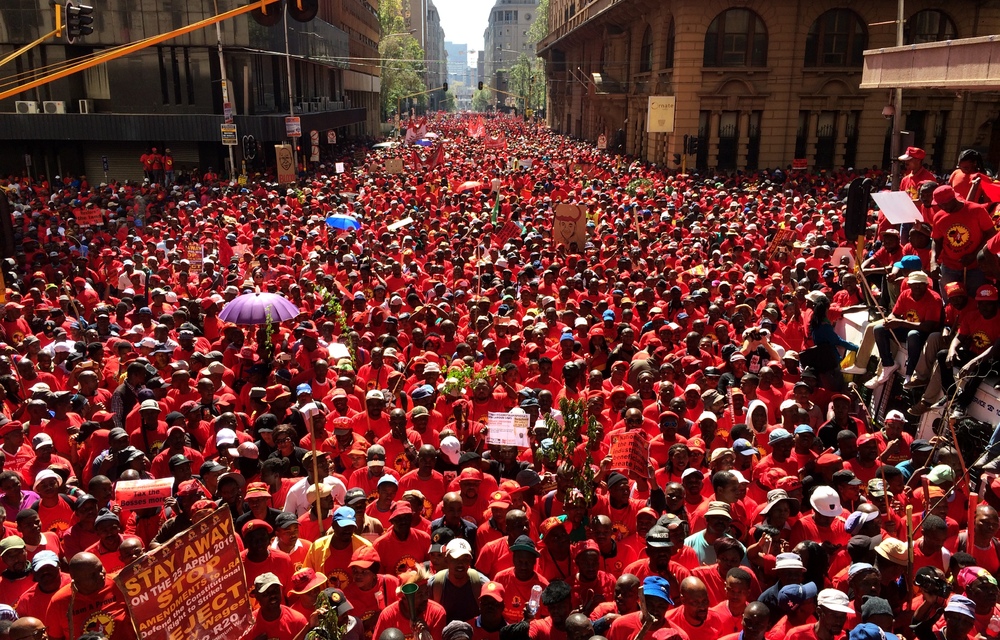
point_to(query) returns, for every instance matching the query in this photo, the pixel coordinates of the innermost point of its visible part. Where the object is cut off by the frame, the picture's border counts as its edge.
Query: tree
(403, 68)
(526, 79)
(449, 103)
(481, 100)
(540, 27)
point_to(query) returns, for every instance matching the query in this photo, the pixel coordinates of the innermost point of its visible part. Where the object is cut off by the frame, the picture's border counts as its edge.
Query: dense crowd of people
(352, 443)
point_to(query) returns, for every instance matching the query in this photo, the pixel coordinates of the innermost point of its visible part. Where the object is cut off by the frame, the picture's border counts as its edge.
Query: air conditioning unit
(54, 106)
(26, 106)
(86, 106)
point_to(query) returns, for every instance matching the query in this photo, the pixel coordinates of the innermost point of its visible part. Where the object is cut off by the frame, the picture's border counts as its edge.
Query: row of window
(738, 38)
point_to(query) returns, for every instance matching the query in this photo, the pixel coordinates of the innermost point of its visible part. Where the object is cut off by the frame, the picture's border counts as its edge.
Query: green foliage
(449, 104)
(332, 309)
(329, 627)
(638, 183)
(527, 80)
(403, 64)
(540, 27)
(481, 100)
(466, 378)
(566, 437)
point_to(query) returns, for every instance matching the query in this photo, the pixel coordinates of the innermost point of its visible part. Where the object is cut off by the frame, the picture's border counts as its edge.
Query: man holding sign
(629, 452)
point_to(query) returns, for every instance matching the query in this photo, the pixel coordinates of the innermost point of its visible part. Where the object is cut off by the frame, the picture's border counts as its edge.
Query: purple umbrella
(258, 308)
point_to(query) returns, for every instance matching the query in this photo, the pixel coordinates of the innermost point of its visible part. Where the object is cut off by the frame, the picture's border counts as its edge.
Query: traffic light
(677, 159)
(480, 85)
(693, 145)
(269, 15)
(79, 21)
(445, 87)
(303, 10)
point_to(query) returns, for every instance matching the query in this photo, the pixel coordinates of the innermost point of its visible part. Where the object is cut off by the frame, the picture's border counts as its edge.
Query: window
(930, 25)
(646, 52)
(736, 38)
(837, 39)
(668, 62)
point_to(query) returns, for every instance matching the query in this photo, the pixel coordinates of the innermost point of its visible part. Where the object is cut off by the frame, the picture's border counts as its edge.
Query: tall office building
(506, 37)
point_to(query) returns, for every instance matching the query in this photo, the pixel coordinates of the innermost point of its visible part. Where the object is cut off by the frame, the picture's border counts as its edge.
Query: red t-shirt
(368, 604)
(728, 621)
(710, 628)
(627, 627)
(278, 562)
(288, 625)
(517, 593)
(983, 332)
(960, 233)
(399, 556)
(103, 610)
(927, 309)
(434, 617)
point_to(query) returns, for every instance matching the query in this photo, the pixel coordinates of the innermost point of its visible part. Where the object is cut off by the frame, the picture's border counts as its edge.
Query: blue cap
(870, 631)
(962, 605)
(803, 428)
(682, 316)
(567, 336)
(344, 516)
(777, 435)
(43, 559)
(303, 388)
(548, 443)
(793, 596)
(657, 587)
(608, 315)
(744, 447)
(422, 392)
(617, 292)
(910, 263)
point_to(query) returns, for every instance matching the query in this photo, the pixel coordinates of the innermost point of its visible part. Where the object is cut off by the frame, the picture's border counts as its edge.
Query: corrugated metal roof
(144, 127)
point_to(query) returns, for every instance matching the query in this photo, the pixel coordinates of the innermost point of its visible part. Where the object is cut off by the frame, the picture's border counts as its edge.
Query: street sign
(229, 137)
(227, 112)
(602, 142)
(660, 114)
(293, 127)
(104, 163)
(331, 137)
(225, 91)
(314, 137)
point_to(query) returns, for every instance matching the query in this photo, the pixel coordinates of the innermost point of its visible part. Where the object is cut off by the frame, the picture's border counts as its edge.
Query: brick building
(760, 83)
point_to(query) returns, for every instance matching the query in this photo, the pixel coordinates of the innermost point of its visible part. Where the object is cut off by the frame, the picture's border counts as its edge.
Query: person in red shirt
(487, 625)
(825, 524)
(654, 599)
(916, 173)
(591, 585)
(695, 616)
(402, 547)
(91, 599)
(520, 578)
(47, 580)
(832, 609)
(16, 576)
(259, 558)
(426, 620)
(754, 623)
(917, 313)
(273, 619)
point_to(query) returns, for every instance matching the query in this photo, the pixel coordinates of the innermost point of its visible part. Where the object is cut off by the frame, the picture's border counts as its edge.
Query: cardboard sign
(142, 494)
(570, 225)
(89, 217)
(781, 236)
(506, 232)
(285, 162)
(525, 163)
(229, 135)
(393, 165)
(508, 429)
(630, 452)
(399, 224)
(195, 254)
(191, 587)
(897, 207)
(339, 167)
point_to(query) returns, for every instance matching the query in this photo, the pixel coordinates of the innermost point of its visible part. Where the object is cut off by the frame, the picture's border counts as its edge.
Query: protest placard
(506, 232)
(195, 254)
(630, 452)
(90, 217)
(393, 165)
(570, 225)
(399, 224)
(191, 587)
(142, 494)
(508, 429)
(781, 236)
(897, 207)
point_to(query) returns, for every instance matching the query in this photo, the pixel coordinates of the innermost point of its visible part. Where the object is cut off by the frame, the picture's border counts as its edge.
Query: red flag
(991, 189)
(438, 157)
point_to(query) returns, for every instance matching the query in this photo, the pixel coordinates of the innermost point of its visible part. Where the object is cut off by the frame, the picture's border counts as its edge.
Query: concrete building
(461, 77)
(169, 95)
(422, 19)
(506, 37)
(759, 83)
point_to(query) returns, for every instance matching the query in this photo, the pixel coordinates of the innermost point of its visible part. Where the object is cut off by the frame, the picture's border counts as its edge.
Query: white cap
(834, 600)
(788, 561)
(457, 548)
(450, 447)
(826, 502)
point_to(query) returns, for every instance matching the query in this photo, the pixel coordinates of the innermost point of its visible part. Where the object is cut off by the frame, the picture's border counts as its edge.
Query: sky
(464, 21)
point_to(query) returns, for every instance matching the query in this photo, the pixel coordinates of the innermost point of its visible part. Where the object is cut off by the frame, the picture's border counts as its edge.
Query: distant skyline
(465, 21)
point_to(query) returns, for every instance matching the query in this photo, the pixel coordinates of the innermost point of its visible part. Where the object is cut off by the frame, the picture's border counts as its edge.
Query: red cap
(470, 475)
(986, 293)
(492, 590)
(943, 195)
(255, 524)
(500, 500)
(401, 508)
(364, 557)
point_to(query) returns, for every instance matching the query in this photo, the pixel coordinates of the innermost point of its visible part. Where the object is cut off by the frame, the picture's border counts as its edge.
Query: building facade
(461, 77)
(759, 83)
(435, 54)
(506, 38)
(170, 96)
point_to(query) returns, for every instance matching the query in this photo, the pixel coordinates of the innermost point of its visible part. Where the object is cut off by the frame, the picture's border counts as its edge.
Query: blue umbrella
(424, 142)
(346, 223)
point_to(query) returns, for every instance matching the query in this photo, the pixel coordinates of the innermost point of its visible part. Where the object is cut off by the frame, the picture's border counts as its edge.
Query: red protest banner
(142, 494)
(191, 587)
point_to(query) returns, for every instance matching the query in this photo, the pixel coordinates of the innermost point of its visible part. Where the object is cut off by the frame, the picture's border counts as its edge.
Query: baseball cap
(345, 517)
(793, 596)
(265, 581)
(826, 501)
(44, 559)
(492, 590)
(846, 476)
(656, 587)
(457, 548)
(940, 474)
(788, 561)
(987, 293)
(526, 544)
(365, 557)
(658, 537)
(440, 538)
(778, 435)
(834, 600)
